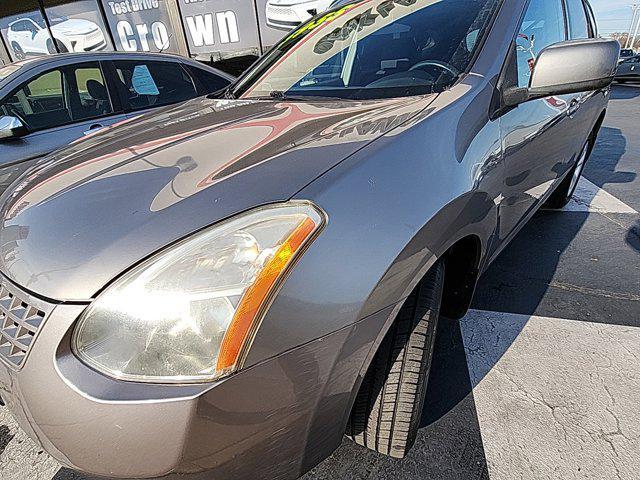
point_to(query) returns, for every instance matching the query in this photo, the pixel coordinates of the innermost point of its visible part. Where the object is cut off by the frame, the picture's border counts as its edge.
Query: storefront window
(77, 25)
(220, 26)
(24, 29)
(141, 25)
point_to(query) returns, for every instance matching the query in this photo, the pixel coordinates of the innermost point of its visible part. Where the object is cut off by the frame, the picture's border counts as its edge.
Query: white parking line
(555, 398)
(588, 197)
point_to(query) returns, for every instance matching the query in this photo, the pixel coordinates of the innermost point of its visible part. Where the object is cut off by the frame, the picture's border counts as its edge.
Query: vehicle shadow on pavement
(625, 92)
(66, 474)
(633, 236)
(601, 169)
(5, 437)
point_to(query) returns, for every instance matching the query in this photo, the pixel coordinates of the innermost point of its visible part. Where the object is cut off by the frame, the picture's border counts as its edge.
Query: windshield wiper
(226, 93)
(280, 95)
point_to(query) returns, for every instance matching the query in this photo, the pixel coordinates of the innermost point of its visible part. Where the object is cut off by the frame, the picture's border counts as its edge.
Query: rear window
(144, 84)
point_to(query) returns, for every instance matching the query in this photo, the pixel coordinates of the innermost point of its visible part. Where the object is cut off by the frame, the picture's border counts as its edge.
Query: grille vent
(19, 324)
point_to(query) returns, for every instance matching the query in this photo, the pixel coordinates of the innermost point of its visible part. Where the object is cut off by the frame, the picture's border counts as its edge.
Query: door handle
(93, 128)
(574, 106)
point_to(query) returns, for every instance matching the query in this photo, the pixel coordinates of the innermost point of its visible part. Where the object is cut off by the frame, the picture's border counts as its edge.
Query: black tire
(386, 414)
(563, 192)
(57, 47)
(18, 52)
(61, 47)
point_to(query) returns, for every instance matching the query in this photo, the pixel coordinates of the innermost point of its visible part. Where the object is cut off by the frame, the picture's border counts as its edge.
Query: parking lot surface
(541, 380)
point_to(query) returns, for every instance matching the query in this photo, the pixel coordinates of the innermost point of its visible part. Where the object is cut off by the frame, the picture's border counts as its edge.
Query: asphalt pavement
(541, 380)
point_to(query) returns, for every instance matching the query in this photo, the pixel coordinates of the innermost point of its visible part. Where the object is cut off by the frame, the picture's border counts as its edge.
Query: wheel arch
(465, 229)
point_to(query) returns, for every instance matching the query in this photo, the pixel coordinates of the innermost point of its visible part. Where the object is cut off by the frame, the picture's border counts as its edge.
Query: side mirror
(11, 127)
(569, 67)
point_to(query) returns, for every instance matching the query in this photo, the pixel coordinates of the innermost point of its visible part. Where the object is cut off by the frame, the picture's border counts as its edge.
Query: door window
(578, 25)
(77, 25)
(209, 81)
(60, 97)
(543, 25)
(40, 103)
(93, 97)
(152, 84)
(24, 30)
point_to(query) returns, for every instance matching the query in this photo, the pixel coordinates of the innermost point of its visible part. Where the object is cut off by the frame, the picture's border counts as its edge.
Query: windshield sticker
(363, 21)
(320, 21)
(143, 82)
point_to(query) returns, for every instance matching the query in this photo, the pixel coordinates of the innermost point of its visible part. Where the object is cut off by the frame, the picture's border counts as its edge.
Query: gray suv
(223, 288)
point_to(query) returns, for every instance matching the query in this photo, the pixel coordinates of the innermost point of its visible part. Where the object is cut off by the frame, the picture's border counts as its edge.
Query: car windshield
(626, 53)
(55, 20)
(372, 49)
(8, 70)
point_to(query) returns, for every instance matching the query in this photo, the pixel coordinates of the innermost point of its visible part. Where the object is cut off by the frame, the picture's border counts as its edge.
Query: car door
(35, 38)
(40, 38)
(629, 69)
(144, 85)
(534, 134)
(58, 107)
(635, 68)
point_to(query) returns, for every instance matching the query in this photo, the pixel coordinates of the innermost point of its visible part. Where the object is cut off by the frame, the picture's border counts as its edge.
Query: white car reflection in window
(288, 14)
(28, 36)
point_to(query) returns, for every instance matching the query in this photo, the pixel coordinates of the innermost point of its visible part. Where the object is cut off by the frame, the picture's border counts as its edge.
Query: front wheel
(386, 414)
(563, 193)
(18, 52)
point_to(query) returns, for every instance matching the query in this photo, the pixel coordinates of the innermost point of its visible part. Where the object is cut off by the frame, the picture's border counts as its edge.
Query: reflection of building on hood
(11, 235)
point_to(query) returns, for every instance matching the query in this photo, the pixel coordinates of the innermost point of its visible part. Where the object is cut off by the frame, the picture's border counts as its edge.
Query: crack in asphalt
(595, 291)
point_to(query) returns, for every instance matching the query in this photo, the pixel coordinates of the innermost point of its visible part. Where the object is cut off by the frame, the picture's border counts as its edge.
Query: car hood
(88, 212)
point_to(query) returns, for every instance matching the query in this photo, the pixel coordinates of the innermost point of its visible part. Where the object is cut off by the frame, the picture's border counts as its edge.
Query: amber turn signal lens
(258, 295)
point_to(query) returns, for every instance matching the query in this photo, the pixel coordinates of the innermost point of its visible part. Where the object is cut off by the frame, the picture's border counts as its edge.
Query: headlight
(188, 313)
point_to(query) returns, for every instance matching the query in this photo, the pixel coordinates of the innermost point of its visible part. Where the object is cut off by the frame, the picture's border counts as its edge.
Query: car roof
(46, 61)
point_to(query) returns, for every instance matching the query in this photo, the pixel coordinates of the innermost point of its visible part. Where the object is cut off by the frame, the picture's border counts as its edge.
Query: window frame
(65, 71)
(200, 88)
(124, 102)
(72, 69)
(591, 19)
(568, 20)
(508, 77)
(567, 35)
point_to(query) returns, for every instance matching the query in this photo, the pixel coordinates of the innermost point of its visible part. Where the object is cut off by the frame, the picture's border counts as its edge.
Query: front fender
(393, 209)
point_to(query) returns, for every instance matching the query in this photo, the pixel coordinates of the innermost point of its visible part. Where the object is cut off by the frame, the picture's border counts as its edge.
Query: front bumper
(288, 17)
(276, 419)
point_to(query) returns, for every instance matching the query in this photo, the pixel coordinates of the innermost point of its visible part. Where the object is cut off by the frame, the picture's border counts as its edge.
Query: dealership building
(210, 30)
